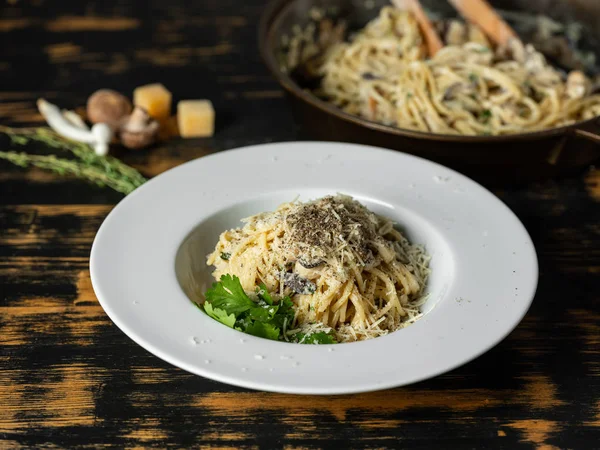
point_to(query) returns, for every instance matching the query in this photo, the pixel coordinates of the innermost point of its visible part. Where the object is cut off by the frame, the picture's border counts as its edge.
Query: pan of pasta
(527, 107)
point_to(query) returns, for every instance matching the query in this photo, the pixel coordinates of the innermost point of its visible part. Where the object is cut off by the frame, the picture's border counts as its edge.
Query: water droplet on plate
(296, 364)
(329, 349)
(259, 357)
(271, 369)
(207, 361)
(244, 369)
(195, 340)
(284, 357)
(242, 340)
(135, 302)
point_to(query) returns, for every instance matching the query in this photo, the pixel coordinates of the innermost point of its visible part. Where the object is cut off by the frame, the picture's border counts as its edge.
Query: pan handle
(590, 131)
(589, 135)
(570, 154)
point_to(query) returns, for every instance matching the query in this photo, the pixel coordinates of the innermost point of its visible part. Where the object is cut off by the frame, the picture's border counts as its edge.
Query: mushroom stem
(98, 137)
(74, 119)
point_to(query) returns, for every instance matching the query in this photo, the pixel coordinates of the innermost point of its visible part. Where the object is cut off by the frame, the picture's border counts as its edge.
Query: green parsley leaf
(315, 338)
(263, 330)
(264, 313)
(473, 78)
(219, 315)
(485, 115)
(285, 313)
(229, 296)
(227, 303)
(263, 294)
(225, 256)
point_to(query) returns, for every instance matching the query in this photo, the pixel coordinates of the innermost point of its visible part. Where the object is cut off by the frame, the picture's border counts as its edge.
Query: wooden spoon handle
(485, 17)
(432, 40)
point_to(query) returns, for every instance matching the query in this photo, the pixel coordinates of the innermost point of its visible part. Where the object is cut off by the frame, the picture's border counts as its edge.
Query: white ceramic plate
(148, 260)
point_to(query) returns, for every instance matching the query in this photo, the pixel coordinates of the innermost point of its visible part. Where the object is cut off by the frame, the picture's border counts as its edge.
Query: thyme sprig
(100, 170)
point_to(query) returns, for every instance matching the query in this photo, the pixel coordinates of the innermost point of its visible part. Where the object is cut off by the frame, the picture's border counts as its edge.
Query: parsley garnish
(264, 330)
(227, 303)
(473, 78)
(225, 256)
(263, 294)
(314, 338)
(220, 315)
(229, 296)
(485, 115)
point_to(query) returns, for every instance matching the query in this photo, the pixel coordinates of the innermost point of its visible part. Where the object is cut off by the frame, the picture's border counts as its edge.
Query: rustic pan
(522, 156)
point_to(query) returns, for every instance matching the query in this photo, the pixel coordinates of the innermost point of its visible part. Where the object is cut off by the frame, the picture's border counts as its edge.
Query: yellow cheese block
(154, 98)
(196, 118)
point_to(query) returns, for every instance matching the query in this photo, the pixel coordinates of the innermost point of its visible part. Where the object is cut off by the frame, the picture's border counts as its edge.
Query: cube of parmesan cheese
(196, 118)
(155, 99)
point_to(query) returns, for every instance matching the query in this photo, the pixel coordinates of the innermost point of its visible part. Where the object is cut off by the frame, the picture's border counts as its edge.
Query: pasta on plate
(347, 271)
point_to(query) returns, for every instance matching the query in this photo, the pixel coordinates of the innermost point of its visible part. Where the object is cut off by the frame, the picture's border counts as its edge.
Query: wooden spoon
(480, 13)
(432, 40)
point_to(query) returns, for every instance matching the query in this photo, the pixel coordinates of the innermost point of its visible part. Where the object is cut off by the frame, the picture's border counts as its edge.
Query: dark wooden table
(69, 377)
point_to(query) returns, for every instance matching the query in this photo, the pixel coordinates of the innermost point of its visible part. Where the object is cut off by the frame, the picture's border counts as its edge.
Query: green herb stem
(104, 170)
(70, 167)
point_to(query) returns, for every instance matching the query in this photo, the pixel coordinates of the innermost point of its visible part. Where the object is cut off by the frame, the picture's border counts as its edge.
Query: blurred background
(66, 50)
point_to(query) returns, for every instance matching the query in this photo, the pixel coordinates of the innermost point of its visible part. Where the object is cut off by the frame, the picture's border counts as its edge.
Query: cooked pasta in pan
(469, 87)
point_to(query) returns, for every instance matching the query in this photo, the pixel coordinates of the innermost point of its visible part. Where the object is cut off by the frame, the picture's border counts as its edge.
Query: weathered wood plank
(563, 241)
(69, 378)
(592, 181)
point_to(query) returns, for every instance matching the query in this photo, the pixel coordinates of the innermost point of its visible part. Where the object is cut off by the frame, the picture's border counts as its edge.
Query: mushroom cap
(138, 130)
(107, 106)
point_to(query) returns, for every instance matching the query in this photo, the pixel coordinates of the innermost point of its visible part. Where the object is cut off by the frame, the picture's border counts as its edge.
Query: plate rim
(239, 380)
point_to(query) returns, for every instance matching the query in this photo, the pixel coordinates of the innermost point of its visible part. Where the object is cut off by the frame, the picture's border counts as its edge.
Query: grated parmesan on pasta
(346, 269)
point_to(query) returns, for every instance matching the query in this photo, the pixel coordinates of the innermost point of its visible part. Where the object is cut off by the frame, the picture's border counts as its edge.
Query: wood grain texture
(69, 378)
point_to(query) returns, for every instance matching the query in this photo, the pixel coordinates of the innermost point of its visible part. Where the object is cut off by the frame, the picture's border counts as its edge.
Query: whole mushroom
(138, 130)
(107, 106)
